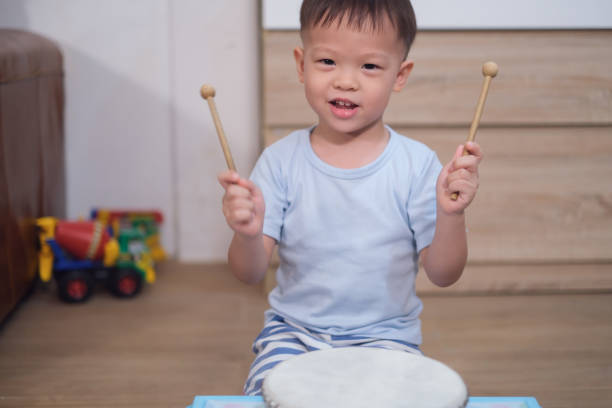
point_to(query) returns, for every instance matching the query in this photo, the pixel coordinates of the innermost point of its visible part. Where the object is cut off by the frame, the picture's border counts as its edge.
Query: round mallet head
(488, 69)
(207, 91)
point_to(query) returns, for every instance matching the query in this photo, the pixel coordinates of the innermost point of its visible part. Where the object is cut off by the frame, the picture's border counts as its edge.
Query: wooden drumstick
(208, 93)
(489, 70)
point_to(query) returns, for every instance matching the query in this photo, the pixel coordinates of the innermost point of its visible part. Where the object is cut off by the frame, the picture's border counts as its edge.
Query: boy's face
(348, 75)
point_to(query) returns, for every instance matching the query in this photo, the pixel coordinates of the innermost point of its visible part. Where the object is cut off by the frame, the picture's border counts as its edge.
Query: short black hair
(359, 13)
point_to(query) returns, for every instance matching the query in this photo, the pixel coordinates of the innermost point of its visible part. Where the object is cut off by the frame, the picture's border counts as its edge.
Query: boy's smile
(349, 74)
(343, 108)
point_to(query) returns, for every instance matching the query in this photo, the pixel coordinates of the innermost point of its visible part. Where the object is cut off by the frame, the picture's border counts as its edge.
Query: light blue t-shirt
(349, 239)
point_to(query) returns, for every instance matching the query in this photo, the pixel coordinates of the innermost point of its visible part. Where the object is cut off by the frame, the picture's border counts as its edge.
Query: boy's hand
(460, 175)
(243, 204)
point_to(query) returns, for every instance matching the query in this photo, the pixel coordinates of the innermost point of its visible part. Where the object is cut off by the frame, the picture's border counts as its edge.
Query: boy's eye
(370, 66)
(326, 61)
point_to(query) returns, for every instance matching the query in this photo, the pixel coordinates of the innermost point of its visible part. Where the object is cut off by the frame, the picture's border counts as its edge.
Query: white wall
(476, 14)
(137, 133)
(216, 42)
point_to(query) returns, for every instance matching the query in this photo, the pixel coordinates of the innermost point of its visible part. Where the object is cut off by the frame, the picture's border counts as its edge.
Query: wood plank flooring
(190, 334)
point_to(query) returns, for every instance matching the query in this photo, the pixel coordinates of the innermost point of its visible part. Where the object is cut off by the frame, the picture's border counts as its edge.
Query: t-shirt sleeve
(422, 203)
(267, 175)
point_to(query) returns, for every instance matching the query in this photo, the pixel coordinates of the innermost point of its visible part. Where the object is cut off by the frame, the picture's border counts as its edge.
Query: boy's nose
(345, 81)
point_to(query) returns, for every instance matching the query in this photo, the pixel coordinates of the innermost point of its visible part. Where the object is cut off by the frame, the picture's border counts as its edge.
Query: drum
(358, 377)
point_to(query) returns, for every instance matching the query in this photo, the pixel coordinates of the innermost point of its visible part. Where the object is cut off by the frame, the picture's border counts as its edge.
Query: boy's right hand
(243, 204)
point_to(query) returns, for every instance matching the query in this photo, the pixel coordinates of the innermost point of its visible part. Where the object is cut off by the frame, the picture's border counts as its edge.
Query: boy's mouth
(343, 108)
(343, 104)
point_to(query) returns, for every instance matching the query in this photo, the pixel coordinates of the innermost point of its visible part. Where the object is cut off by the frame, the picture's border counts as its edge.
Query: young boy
(351, 204)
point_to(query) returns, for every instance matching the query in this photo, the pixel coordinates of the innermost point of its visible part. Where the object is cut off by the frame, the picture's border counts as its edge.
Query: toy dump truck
(146, 221)
(77, 254)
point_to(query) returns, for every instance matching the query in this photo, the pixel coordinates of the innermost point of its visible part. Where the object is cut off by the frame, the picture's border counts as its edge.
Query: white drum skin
(360, 377)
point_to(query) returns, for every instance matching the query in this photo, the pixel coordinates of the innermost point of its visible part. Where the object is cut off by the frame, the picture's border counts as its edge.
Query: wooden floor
(190, 334)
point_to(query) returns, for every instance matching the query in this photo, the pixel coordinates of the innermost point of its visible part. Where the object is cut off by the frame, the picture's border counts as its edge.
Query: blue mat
(228, 401)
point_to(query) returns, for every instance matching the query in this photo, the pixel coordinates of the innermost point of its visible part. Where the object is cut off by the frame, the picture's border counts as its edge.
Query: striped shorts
(279, 340)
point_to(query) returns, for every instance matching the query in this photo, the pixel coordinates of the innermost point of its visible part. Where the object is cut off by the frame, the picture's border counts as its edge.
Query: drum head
(363, 377)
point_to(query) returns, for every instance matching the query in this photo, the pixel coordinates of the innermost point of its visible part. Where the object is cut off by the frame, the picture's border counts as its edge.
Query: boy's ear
(298, 54)
(402, 75)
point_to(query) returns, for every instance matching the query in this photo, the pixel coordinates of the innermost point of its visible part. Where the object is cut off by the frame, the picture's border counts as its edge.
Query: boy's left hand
(460, 176)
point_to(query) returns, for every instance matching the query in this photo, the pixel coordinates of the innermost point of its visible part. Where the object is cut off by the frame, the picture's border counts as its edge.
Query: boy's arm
(249, 257)
(243, 206)
(445, 258)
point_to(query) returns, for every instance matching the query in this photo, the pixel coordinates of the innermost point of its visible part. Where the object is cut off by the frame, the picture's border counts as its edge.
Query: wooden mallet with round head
(489, 70)
(208, 93)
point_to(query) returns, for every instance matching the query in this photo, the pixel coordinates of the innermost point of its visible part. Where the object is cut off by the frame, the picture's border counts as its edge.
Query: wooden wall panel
(545, 193)
(524, 278)
(546, 77)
